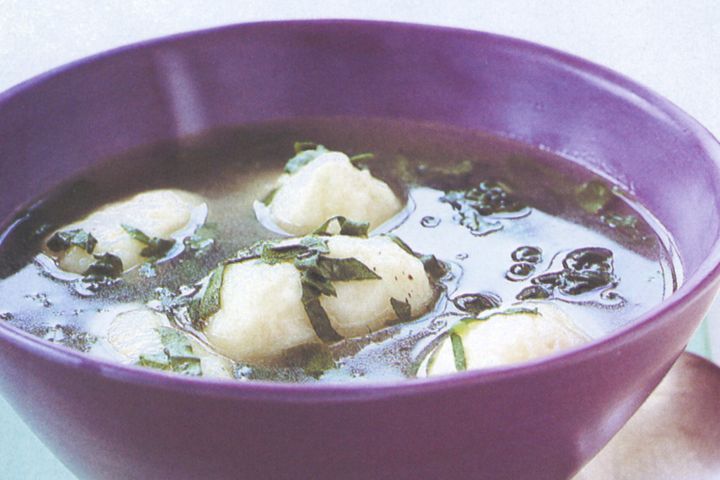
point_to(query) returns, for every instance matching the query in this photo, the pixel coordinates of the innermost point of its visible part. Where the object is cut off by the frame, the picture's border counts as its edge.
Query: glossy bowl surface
(541, 420)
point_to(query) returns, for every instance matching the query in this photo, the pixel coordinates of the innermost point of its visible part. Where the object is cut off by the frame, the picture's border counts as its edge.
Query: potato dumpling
(504, 337)
(328, 186)
(137, 334)
(158, 214)
(263, 311)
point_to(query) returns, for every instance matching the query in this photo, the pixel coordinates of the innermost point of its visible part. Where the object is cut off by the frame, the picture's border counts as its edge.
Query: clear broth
(234, 167)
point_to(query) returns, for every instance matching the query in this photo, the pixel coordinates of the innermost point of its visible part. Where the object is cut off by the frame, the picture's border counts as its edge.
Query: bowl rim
(694, 286)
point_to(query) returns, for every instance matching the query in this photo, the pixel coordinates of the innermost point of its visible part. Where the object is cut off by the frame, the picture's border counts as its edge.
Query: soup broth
(542, 217)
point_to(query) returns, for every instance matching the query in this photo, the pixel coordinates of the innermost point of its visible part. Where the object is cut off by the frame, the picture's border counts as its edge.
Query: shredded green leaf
(207, 305)
(315, 244)
(627, 225)
(319, 283)
(317, 315)
(518, 311)
(314, 359)
(460, 328)
(345, 227)
(136, 234)
(463, 168)
(488, 198)
(154, 247)
(345, 269)
(252, 252)
(288, 252)
(433, 267)
(267, 199)
(362, 157)
(402, 309)
(402, 244)
(593, 196)
(62, 241)
(105, 266)
(319, 362)
(405, 171)
(458, 352)
(302, 146)
(202, 241)
(305, 152)
(158, 361)
(177, 355)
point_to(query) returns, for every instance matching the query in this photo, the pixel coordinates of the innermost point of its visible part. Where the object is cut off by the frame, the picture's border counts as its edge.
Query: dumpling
(265, 306)
(118, 229)
(330, 185)
(140, 335)
(504, 337)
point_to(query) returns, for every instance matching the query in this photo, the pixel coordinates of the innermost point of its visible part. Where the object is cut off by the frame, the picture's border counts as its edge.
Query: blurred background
(673, 47)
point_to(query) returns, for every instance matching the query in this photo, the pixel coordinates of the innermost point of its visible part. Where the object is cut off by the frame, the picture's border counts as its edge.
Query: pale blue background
(671, 46)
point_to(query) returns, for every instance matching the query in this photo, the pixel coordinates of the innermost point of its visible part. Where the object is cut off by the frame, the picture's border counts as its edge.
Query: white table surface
(671, 46)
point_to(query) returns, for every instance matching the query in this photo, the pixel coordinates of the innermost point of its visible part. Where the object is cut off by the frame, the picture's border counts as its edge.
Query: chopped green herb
(433, 267)
(202, 241)
(177, 355)
(584, 270)
(593, 196)
(404, 171)
(136, 234)
(616, 220)
(459, 169)
(157, 361)
(284, 253)
(535, 292)
(315, 244)
(476, 223)
(148, 270)
(62, 241)
(402, 309)
(458, 352)
(345, 227)
(267, 199)
(475, 303)
(321, 361)
(627, 225)
(317, 282)
(302, 146)
(518, 311)
(317, 315)
(154, 247)
(252, 252)
(314, 359)
(106, 266)
(402, 244)
(272, 253)
(207, 305)
(305, 152)
(488, 198)
(345, 269)
(362, 157)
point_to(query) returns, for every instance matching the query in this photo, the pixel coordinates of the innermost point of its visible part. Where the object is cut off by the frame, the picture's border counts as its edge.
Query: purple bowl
(541, 420)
